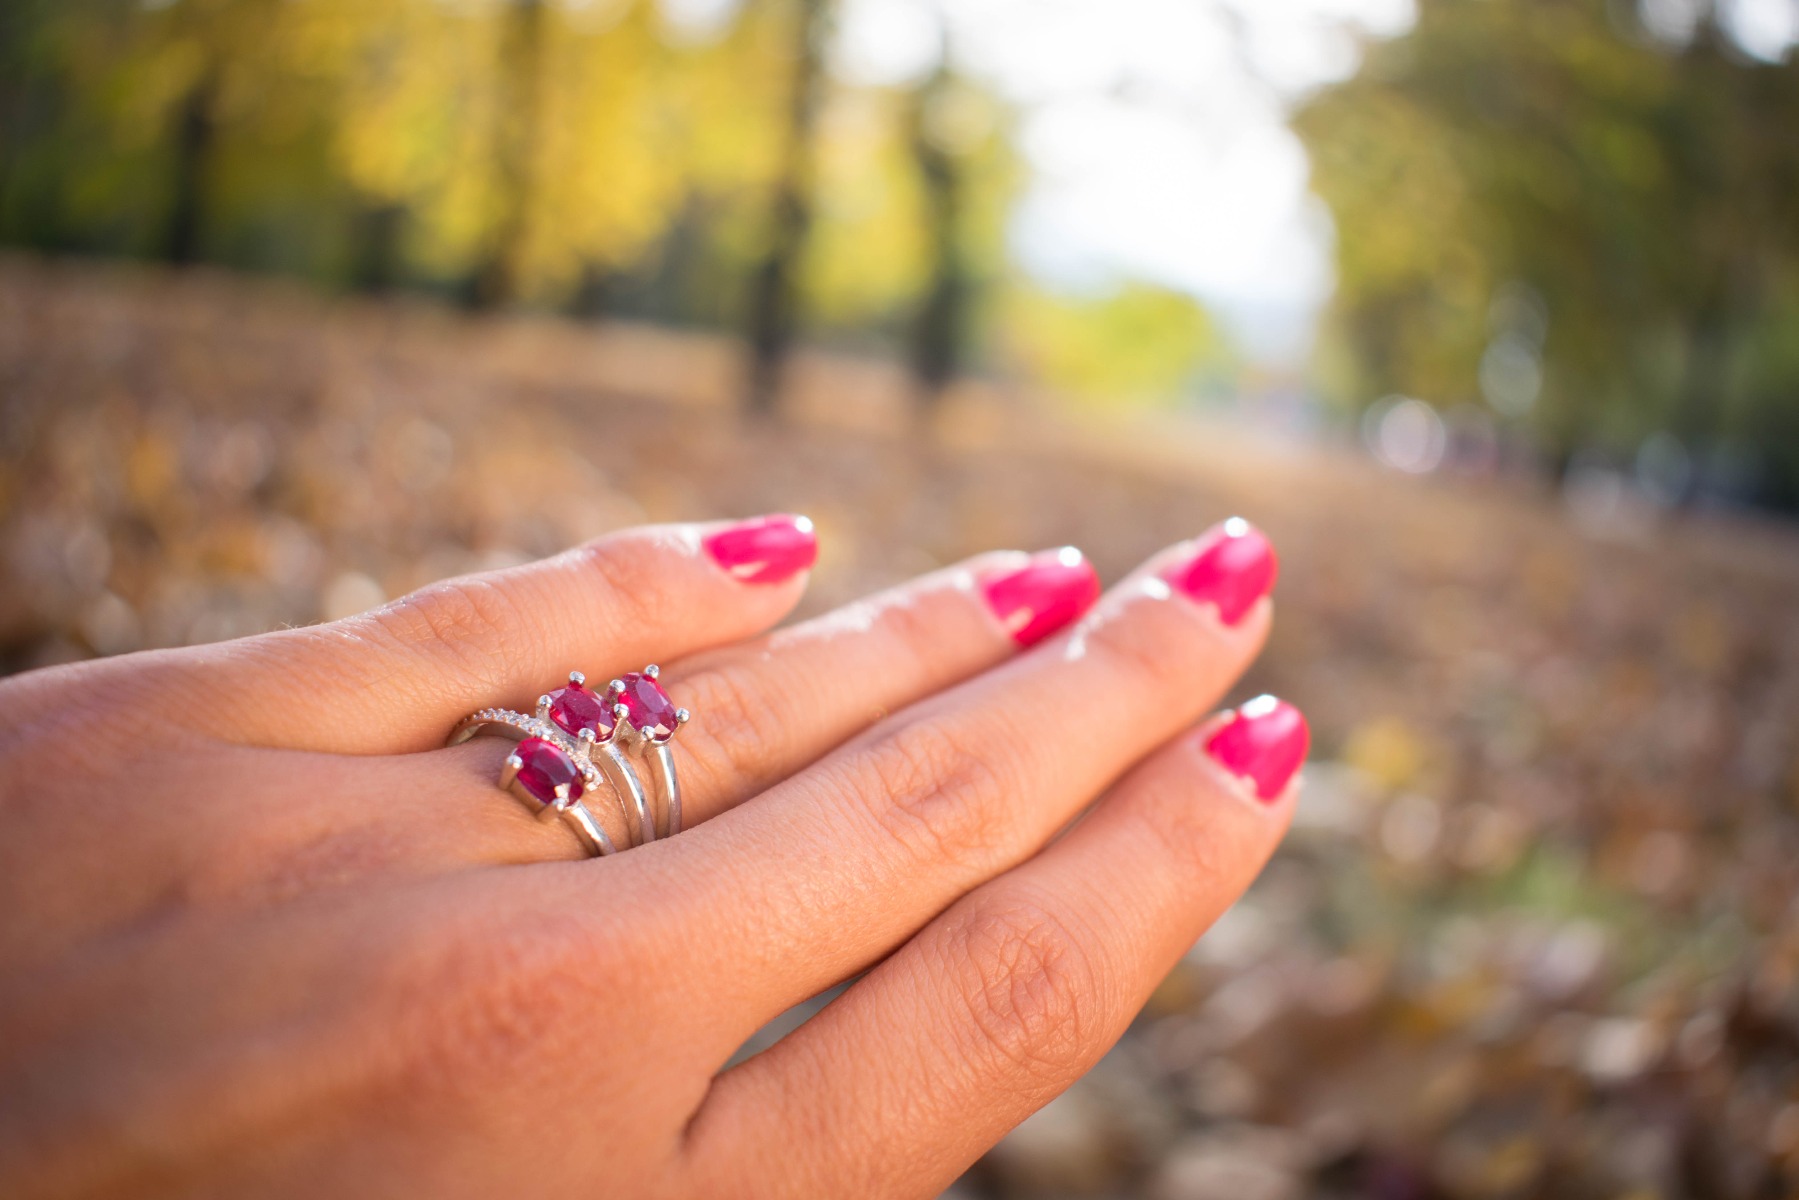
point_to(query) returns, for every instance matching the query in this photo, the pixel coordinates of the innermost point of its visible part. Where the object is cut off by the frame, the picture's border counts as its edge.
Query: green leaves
(1642, 193)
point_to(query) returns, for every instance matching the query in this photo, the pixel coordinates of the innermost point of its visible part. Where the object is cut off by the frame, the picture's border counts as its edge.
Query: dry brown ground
(1537, 933)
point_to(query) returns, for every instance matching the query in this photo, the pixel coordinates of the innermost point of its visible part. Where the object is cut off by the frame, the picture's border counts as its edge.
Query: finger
(827, 873)
(396, 679)
(309, 822)
(225, 812)
(764, 709)
(767, 708)
(1011, 995)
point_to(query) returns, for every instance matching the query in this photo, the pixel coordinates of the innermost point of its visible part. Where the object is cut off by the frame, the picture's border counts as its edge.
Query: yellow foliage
(1387, 750)
(1139, 343)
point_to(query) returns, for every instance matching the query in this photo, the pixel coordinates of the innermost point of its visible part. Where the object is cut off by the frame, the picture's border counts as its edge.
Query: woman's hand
(262, 935)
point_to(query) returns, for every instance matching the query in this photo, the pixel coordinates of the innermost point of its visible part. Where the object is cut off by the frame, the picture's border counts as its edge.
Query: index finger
(395, 679)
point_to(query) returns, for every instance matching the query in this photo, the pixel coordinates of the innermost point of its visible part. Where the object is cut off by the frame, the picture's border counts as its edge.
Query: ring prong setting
(556, 762)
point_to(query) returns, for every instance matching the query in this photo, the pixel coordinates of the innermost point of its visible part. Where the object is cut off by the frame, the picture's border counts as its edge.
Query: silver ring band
(592, 836)
(520, 727)
(646, 720)
(624, 783)
(574, 737)
(662, 778)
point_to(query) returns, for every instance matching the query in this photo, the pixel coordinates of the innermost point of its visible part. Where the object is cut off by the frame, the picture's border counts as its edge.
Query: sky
(1155, 130)
(1156, 136)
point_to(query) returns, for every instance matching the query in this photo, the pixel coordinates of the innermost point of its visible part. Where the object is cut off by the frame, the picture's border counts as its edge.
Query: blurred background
(1487, 310)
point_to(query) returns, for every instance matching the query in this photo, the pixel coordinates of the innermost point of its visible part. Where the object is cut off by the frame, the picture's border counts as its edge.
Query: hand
(262, 935)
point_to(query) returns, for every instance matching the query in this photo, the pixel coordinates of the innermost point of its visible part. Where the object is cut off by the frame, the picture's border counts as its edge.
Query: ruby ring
(649, 719)
(577, 736)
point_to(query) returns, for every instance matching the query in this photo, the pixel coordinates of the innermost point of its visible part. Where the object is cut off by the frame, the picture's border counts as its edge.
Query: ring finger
(763, 710)
(769, 707)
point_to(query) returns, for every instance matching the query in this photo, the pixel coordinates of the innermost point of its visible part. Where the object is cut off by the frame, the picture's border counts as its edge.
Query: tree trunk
(938, 332)
(773, 302)
(593, 293)
(496, 280)
(196, 141)
(18, 82)
(378, 262)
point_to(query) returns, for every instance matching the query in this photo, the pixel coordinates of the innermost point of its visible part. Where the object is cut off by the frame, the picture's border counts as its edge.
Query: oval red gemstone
(575, 708)
(543, 767)
(647, 706)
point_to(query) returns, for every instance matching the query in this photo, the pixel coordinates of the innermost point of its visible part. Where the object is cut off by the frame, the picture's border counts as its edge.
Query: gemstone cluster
(554, 765)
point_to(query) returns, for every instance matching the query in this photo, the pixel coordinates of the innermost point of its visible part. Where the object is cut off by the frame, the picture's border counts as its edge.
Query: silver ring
(646, 720)
(572, 742)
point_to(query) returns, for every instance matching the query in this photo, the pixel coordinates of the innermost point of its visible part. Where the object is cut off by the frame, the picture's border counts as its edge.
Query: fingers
(767, 708)
(1014, 992)
(828, 872)
(247, 824)
(197, 800)
(396, 679)
(302, 823)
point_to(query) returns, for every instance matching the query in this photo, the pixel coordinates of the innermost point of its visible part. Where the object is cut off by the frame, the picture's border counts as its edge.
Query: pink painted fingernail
(765, 549)
(1264, 742)
(1035, 600)
(1232, 567)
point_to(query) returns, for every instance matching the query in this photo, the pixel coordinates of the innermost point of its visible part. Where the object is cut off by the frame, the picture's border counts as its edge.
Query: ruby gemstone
(545, 766)
(647, 706)
(575, 708)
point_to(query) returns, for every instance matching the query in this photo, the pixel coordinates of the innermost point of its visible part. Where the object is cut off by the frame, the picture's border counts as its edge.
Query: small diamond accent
(530, 726)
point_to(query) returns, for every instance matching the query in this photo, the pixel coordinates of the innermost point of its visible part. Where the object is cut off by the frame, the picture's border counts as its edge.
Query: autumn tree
(773, 312)
(1542, 209)
(940, 329)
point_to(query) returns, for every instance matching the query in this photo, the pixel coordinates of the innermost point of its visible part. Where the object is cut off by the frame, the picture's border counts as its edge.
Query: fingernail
(765, 549)
(1232, 567)
(1264, 742)
(1035, 600)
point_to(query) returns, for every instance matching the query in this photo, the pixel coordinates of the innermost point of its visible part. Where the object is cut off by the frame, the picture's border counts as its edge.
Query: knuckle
(1187, 837)
(915, 623)
(1029, 988)
(476, 619)
(1191, 828)
(636, 575)
(1147, 642)
(729, 750)
(940, 800)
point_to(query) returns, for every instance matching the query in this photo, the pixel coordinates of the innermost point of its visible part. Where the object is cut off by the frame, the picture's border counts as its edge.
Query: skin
(261, 935)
